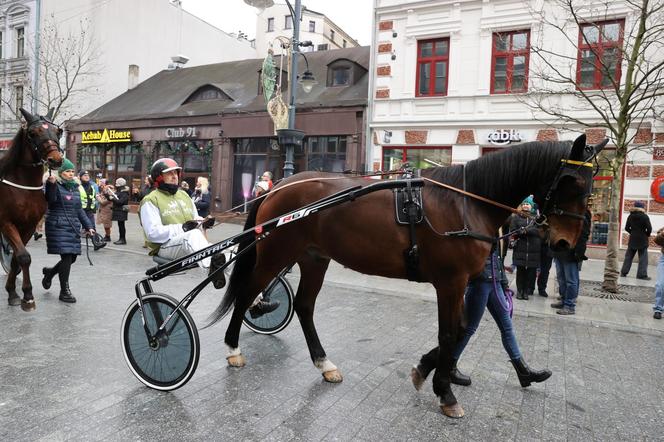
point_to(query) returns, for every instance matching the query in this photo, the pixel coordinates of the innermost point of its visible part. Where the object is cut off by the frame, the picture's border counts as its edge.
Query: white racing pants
(184, 244)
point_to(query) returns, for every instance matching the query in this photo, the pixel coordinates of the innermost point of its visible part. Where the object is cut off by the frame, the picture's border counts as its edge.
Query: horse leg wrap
(234, 357)
(329, 371)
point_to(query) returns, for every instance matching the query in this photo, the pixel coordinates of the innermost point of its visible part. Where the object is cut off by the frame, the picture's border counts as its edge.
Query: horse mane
(13, 156)
(501, 176)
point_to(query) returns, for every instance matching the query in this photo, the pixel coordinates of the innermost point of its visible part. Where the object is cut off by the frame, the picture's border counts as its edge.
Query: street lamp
(291, 138)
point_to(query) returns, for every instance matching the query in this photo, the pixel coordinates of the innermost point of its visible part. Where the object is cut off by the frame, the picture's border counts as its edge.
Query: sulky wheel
(169, 359)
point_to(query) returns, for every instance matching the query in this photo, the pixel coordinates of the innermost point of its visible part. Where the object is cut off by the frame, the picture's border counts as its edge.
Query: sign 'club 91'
(105, 136)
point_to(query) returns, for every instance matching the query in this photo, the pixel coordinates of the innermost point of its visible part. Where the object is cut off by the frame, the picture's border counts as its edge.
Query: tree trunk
(611, 269)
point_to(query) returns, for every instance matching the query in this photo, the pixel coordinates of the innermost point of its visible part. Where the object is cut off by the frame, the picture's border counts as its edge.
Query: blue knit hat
(639, 205)
(528, 200)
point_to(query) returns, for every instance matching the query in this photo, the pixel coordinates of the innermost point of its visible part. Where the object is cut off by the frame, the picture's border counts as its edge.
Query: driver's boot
(216, 262)
(262, 307)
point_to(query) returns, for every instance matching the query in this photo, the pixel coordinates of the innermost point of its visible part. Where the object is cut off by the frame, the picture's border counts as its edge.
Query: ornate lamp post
(289, 137)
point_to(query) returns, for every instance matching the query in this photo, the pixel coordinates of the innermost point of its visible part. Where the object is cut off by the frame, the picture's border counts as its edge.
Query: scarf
(170, 188)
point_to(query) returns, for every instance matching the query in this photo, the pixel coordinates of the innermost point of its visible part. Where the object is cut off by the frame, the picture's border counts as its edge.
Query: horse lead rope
(20, 186)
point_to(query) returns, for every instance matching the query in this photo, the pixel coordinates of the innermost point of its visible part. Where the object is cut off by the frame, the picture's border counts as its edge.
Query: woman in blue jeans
(479, 296)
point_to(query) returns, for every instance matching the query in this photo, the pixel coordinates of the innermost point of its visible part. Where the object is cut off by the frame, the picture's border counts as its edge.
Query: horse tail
(244, 266)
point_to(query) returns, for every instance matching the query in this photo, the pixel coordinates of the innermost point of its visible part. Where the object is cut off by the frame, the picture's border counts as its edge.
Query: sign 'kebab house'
(105, 136)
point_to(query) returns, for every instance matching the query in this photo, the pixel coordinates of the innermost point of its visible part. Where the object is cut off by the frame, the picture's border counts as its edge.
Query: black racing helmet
(160, 166)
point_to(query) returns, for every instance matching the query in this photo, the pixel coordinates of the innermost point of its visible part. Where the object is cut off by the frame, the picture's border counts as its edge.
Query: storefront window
(194, 156)
(417, 157)
(326, 154)
(252, 157)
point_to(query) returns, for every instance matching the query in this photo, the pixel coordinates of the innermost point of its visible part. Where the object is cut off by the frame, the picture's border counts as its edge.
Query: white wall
(146, 33)
(321, 36)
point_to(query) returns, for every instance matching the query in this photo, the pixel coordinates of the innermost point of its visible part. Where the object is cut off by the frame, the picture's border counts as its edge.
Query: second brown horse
(362, 235)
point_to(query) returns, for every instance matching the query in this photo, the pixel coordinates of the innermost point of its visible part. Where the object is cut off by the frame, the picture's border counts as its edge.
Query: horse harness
(409, 210)
(409, 207)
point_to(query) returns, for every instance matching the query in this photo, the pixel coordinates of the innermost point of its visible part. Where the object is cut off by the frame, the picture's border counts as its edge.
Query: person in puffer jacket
(527, 250)
(64, 218)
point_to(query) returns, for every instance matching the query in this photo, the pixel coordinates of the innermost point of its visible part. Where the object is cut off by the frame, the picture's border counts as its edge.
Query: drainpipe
(368, 143)
(35, 80)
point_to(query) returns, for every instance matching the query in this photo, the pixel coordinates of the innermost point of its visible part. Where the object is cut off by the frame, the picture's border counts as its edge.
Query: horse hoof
(333, 376)
(28, 306)
(236, 361)
(454, 411)
(14, 300)
(417, 378)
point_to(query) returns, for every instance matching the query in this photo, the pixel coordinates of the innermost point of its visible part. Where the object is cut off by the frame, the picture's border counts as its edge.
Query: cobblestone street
(63, 375)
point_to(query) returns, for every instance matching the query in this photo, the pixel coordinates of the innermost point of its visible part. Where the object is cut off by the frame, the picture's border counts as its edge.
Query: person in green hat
(527, 249)
(64, 218)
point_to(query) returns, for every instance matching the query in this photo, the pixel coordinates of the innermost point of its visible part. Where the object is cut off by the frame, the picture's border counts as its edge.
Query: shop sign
(657, 189)
(181, 132)
(105, 136)
(502, 137)
(658, 153)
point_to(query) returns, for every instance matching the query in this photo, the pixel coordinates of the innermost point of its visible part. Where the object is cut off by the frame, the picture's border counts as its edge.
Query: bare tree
(616, 85)
(67, 65)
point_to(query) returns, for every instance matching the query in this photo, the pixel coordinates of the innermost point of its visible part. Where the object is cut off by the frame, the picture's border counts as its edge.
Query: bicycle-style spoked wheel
(170, 358)
(6, 254)
(275, 321)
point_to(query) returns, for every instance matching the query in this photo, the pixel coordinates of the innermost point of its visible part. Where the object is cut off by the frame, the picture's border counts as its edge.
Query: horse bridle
(575, 169)
(49, 138)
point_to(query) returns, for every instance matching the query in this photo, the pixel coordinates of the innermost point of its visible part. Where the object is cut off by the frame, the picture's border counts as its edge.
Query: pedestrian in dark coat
(120, 208)
(639, 228)
(64, 218)
(526, 252)
(568, 265)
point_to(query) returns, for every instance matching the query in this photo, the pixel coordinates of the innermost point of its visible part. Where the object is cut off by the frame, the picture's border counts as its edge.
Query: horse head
(565, 204)
(44, 138)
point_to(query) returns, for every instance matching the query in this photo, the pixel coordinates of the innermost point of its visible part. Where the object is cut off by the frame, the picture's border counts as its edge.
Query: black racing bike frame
(259, 232)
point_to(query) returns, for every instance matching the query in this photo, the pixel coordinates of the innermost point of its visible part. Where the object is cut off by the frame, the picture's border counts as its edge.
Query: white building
(276, 21)
(145, 33)
(442, 92)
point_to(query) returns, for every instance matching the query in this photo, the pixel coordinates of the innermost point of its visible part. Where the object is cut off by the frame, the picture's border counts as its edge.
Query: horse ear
(27, 115)
(578, 147)
(597, 148)
(49, 115)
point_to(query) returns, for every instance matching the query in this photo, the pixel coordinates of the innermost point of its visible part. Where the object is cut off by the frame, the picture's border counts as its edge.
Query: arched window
(207, 92)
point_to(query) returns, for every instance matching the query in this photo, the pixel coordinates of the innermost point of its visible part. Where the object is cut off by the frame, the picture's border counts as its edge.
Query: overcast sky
(353, 16)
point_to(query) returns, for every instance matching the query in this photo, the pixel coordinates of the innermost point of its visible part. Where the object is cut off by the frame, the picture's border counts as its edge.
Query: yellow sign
(107, 136)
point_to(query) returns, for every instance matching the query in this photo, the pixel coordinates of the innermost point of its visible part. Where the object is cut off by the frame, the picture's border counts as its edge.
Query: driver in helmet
(171, 222)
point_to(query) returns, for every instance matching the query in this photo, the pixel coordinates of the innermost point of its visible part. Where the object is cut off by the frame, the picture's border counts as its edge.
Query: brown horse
(23, 202)
(363, 236)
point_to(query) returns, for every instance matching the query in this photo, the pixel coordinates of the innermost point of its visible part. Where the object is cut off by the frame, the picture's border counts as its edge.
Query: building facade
(18, 21)
(276, 21)
(448, 83)
(212, 119)
(121, 33)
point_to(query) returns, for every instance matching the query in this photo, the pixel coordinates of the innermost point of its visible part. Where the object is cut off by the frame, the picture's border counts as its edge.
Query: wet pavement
(63, 375)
